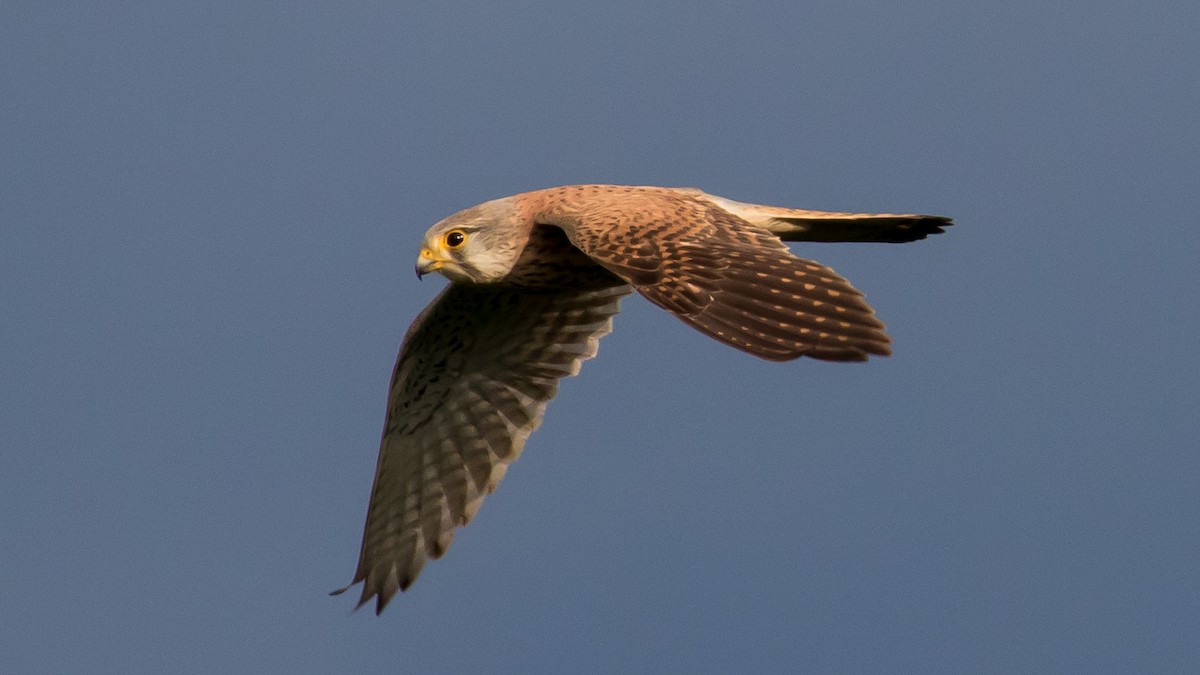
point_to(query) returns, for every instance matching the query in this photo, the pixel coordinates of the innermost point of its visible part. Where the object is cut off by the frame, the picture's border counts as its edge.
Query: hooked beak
(426, 263)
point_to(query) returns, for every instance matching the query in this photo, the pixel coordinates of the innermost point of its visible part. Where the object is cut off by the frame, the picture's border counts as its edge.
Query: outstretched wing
(726, 277)
(471, 383)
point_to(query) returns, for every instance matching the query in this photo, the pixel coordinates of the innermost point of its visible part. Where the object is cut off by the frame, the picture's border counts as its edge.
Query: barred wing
(472, 381)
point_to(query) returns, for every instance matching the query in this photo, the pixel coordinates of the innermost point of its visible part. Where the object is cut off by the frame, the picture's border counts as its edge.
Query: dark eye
(455, 238)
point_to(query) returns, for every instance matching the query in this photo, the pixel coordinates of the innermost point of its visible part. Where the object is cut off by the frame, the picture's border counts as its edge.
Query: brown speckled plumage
(537, 279)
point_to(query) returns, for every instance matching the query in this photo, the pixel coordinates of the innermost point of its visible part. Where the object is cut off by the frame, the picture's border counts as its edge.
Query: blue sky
(208, 219)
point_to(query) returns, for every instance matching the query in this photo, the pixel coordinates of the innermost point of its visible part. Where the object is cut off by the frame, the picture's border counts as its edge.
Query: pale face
(472, 246)
(445, 251)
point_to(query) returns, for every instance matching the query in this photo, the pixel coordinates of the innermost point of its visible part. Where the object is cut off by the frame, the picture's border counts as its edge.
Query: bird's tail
(833, 226)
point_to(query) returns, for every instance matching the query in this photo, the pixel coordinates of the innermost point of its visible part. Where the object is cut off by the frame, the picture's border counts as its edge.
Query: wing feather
(471, 383)
(726, 277)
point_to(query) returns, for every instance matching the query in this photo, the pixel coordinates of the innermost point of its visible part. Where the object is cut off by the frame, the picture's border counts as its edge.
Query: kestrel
(536, 279)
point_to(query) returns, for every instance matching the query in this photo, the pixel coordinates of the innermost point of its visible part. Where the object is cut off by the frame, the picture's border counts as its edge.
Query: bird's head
(478, 245)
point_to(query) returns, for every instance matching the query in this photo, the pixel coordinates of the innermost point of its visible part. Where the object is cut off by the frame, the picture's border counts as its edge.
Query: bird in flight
(536, 279)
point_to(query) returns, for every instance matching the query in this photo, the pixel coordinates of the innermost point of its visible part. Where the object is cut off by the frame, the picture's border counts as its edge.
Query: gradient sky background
(208, 220)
